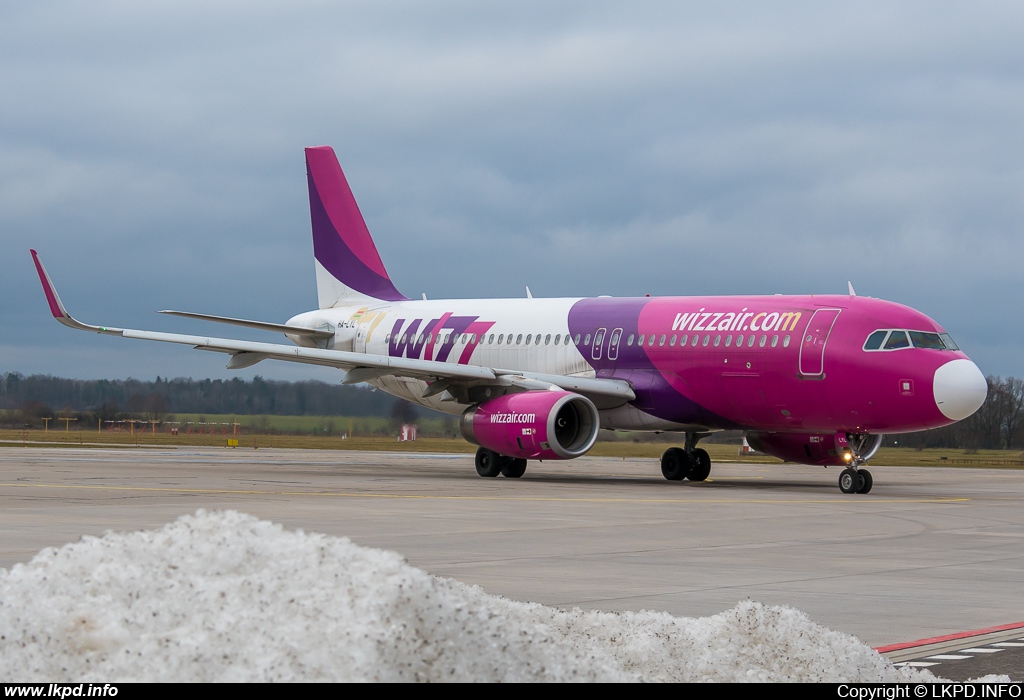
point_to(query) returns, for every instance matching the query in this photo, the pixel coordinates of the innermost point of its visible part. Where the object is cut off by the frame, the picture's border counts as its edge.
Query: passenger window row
(896, 339)
(471, 338)
(693, 341)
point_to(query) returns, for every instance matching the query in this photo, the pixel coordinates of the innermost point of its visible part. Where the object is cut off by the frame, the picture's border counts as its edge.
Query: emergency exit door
(812, 347)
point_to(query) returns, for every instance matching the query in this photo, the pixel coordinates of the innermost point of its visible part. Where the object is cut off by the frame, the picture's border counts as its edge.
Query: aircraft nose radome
(959, 388)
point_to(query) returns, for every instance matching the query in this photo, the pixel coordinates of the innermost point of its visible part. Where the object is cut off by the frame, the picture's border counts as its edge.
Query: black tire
(512, 468)
(850, 481)
(700, 467)
(868, 482)
(488, 462)
(675, 464)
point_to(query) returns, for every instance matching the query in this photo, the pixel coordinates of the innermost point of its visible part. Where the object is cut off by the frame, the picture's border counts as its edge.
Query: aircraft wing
(359, 366)
(258, 325)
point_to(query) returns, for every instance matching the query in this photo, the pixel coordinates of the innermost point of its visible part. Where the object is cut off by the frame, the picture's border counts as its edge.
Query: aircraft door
(812, 346)
(598, 343)
(613, 344)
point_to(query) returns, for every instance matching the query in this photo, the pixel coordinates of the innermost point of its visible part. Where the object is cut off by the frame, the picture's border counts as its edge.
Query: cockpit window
(875, 340)
(930, 341)
(897, 339)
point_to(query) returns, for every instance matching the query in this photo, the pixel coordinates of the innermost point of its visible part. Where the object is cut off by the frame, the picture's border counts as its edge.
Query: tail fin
(348, 266)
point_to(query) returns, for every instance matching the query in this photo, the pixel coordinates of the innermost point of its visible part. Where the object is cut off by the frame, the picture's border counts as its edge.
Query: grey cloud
(153, 154)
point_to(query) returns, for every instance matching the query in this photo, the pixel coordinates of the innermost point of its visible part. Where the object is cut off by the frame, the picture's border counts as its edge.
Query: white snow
(223, 596)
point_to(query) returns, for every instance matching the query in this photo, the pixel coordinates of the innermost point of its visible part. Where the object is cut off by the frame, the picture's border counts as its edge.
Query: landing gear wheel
(701, 465)
(865, 475)
(675, 464)
(512, 468)
(488, 462)
(850, 481)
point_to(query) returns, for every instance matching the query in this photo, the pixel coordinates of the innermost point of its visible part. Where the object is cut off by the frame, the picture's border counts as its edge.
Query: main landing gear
(489, 464)
(690, 462)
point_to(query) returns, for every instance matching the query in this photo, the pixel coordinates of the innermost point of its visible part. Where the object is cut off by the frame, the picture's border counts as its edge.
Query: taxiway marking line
(349, 494)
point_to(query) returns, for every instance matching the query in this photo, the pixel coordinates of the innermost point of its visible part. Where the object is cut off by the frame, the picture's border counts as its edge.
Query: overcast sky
(152, 153)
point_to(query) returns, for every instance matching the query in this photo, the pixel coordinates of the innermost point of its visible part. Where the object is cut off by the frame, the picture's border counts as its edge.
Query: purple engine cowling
(534, 425)
(820, 449)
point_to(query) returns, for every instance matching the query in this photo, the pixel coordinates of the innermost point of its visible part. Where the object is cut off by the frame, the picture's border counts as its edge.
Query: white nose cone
(959, 388)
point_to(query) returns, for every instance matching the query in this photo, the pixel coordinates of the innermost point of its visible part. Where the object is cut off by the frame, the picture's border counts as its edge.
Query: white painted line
(980, 650)
(1009, 644)
(917, 664)
(949, 657)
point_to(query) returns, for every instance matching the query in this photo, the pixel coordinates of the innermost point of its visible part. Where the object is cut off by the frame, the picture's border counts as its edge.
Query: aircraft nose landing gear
(855, 480)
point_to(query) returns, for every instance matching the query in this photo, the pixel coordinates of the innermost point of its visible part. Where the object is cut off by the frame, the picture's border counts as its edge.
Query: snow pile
(227, 597)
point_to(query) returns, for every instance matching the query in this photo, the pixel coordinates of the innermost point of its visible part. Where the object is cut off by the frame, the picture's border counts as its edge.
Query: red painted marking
(949, 637)
(51, 298)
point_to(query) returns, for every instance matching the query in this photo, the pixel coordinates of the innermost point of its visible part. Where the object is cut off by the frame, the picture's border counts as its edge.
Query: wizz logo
(435, 339)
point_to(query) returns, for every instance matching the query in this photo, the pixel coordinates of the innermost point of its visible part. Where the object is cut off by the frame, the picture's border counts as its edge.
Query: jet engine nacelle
(534, 425)
(821, 449)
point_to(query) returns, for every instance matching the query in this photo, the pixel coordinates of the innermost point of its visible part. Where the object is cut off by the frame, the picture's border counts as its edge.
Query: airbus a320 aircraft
(811, 379)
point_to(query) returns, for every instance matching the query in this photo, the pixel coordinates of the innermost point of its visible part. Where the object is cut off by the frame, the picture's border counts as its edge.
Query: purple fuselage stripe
(338, 259)
(654, 395)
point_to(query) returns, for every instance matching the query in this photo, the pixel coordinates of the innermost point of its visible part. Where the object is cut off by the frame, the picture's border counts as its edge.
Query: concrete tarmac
(929, 552)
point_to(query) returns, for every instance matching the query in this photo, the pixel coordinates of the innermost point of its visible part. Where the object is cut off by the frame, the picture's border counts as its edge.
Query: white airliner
(813, 379)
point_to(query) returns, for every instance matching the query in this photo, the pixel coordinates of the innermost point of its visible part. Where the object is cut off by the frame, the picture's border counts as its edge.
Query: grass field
(623, 448)
(217, 423)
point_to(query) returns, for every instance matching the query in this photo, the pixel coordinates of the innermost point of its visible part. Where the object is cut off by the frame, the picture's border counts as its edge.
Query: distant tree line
(37, 396)
(996, 425)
